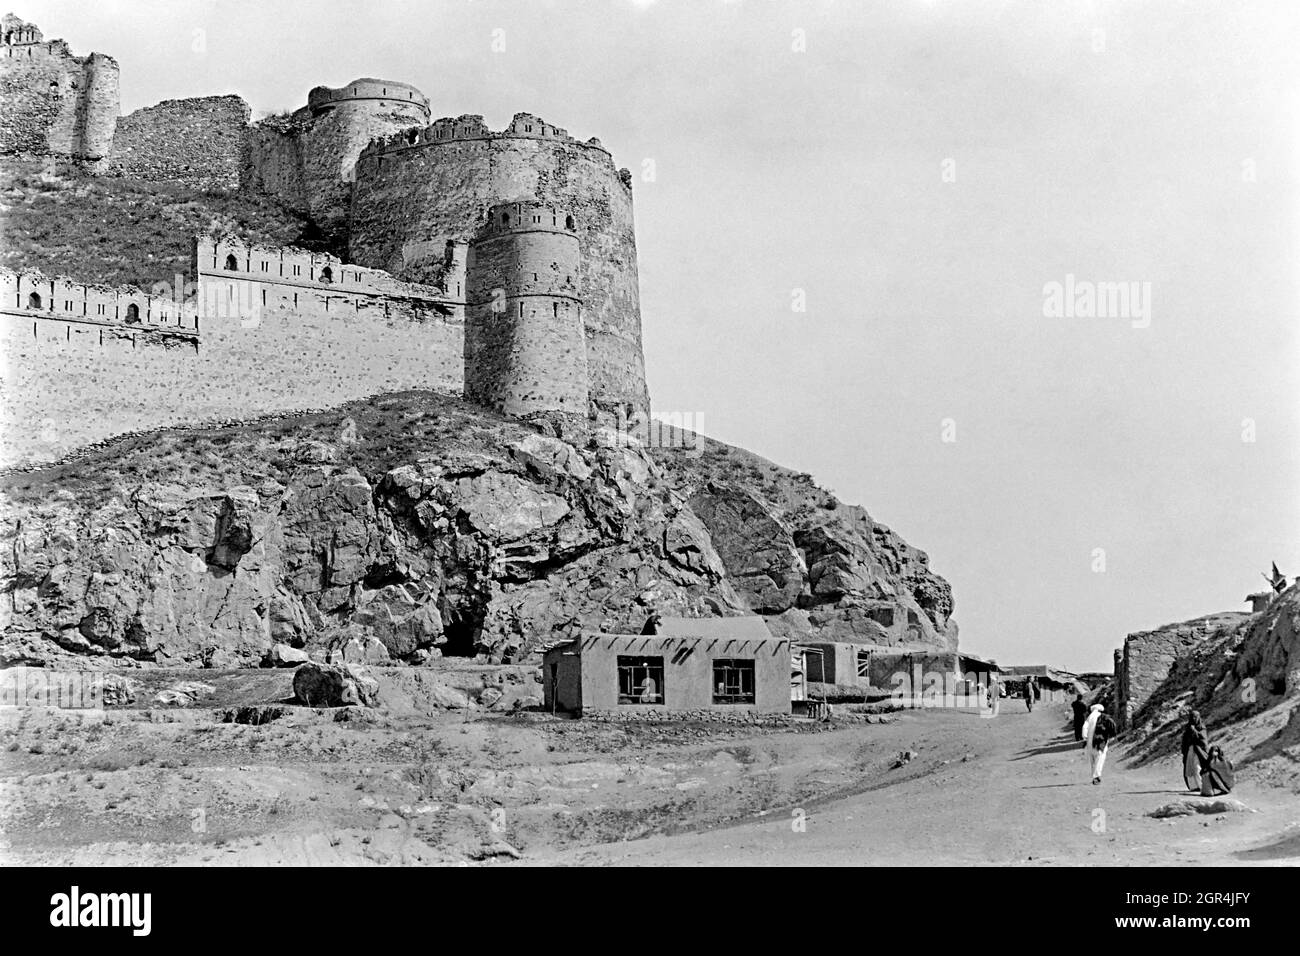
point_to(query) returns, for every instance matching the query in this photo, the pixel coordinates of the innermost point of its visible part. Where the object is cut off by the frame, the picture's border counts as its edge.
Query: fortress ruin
(497, 264)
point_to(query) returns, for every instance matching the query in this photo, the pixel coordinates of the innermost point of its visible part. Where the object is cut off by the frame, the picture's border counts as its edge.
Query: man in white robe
(1096, 755)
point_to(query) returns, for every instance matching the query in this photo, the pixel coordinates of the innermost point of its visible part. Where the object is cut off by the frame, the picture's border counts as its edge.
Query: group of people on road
(1205, 768)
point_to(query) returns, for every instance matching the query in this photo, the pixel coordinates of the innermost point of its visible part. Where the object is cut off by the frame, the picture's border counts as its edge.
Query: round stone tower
(525, 350)
(331, 133)
(419, 188)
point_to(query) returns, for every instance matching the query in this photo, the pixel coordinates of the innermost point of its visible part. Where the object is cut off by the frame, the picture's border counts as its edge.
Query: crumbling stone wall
(524, 347)
(201, 143)
(55, 103)
(1148, 657)
(435, 184)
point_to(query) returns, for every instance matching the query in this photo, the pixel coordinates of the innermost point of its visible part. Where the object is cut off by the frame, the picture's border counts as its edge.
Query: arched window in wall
(232, 264)
(34, 301)
(327, 274)
(133, 313)
(568, 222)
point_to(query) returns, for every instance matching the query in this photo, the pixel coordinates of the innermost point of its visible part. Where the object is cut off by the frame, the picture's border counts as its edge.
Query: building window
(232, 264)
(568, 222)
(733, 681)
(297, 270)
(864, 664)
(99, 309)
(640, 680)
(133, 313)
(266, 267)
(327, 274)
(34, 301)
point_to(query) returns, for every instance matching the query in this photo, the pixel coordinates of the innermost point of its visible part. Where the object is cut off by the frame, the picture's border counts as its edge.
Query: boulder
(184, 694)
(551, 458)
(282, 655)
(334, 685)
(1187, 807)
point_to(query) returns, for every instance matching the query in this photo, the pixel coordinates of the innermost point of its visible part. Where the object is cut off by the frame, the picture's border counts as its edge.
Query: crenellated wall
(55, 103)
(434, 184)
(524, 345)
(250, 341)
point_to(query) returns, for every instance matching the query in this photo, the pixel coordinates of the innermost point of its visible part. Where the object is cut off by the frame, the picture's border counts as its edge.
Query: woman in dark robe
(1196, 748)
(1080, 715)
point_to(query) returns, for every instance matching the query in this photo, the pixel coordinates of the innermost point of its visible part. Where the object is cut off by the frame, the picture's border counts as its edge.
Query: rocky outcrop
(487, 538)
(1270, 655)
(832, 573)
(758, 551)
(1240, 671)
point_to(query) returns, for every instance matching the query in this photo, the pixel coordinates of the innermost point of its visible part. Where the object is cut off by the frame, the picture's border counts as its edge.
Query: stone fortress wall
(54, 103)
(554, 314)
(524, 346)
(284, 330)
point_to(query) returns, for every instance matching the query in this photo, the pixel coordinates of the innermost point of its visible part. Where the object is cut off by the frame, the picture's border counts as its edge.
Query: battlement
(41, 298)
(515, 217)
(231, 257)
(471, 127)
(17, 32)
(367, 89)
(55, 103)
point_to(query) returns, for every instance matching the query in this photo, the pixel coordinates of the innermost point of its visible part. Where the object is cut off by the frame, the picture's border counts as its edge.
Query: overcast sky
(921, 171)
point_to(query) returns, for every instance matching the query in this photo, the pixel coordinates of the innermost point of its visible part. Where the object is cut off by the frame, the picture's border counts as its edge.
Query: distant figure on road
(1080, 714)
(995, 694)
(1196, 749)
(1038, 691)
(1097, 733)
(1028, 694)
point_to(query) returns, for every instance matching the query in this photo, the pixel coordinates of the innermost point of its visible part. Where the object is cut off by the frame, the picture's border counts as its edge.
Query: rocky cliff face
(412, 525)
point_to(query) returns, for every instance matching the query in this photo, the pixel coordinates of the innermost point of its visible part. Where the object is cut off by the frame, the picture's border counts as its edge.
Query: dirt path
(1025, 798)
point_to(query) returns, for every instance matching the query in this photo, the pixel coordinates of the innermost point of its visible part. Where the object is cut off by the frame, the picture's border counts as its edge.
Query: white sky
(1119, 155)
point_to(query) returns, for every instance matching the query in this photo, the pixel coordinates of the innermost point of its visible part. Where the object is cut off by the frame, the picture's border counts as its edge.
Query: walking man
(1097, 733)
(1029, 694)
(995, 693)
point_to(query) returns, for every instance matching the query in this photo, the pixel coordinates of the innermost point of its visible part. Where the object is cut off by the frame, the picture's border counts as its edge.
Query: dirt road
(1025, 798)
